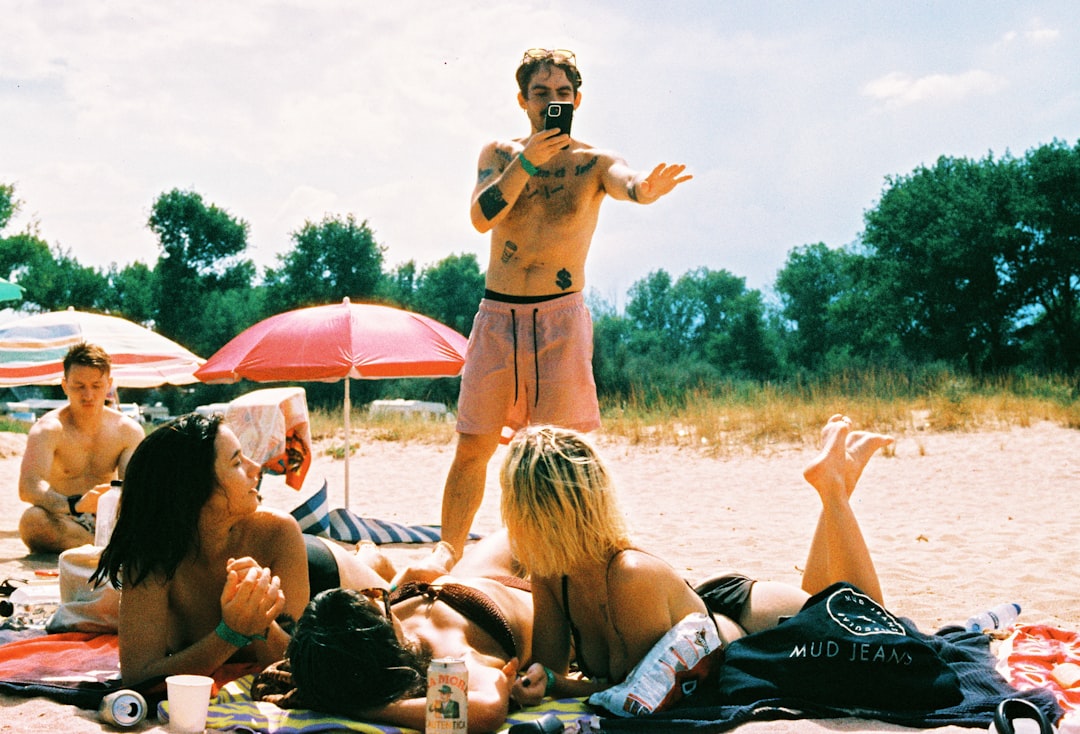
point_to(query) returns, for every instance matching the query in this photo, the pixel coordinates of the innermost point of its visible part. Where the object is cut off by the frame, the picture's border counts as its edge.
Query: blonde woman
(606, 602)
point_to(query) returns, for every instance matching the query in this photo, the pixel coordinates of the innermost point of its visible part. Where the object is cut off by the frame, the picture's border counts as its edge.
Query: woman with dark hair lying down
(364, 654)
(203, 570)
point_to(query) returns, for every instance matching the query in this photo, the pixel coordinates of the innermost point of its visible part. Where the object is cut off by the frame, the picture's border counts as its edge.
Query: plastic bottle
(106, 514)
(32, 605)
(998, 617)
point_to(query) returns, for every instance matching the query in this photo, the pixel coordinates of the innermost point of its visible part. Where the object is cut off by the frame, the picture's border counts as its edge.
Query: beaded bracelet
(233, 637)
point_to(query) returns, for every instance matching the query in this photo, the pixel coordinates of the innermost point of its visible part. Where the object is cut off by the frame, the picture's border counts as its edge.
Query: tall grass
(739, 416)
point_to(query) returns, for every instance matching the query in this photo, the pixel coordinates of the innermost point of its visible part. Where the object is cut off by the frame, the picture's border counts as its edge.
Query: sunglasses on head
(379, 596)
(558, 55)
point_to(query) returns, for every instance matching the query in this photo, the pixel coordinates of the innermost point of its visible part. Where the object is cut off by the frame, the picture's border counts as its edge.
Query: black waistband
(507, 298)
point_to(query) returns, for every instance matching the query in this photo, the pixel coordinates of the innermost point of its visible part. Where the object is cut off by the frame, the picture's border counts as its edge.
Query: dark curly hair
(530, 67)
(345, 656)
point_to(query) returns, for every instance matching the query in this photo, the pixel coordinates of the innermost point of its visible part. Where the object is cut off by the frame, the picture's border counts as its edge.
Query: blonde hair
(558, 502)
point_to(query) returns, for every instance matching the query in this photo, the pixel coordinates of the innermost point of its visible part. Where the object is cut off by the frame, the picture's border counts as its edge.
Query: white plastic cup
(189, 699)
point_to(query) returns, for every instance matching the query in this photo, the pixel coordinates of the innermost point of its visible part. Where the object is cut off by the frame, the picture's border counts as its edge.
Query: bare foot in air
(861, 445)
(826, 472)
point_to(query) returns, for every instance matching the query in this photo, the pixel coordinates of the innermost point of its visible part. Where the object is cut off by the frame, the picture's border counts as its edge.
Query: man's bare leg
(44, 532)
(464, 490)
(838, 551)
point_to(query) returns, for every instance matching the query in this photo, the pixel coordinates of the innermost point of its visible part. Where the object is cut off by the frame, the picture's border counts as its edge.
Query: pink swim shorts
(529, 363)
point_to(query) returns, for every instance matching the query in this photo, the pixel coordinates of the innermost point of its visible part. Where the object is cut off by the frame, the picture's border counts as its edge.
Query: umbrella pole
(348, 435)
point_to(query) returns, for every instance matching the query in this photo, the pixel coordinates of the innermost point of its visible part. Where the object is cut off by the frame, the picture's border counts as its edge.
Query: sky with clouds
(790, 115)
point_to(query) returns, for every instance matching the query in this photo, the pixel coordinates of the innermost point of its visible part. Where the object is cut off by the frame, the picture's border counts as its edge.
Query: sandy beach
(957, 522)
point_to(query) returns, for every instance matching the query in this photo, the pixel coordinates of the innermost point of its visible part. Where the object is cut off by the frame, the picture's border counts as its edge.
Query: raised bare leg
(838, 551)
(861, 445)
(822, 470)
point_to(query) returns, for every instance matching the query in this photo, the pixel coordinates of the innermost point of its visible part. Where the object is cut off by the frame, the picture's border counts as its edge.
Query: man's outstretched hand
(660, 182)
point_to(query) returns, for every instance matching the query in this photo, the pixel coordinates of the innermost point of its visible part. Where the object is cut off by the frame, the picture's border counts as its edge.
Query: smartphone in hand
(558, 116)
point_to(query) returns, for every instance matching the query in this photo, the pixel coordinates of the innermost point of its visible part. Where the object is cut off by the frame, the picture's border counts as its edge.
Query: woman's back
(617, 613)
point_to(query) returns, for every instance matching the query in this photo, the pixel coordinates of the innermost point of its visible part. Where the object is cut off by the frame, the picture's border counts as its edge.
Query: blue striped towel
(316, 518)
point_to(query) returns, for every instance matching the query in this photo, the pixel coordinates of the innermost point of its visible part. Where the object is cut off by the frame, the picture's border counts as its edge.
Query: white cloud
(900, 89)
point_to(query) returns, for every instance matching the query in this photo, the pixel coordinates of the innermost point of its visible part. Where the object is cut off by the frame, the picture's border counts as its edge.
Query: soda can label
(123, 709)
(447, 699)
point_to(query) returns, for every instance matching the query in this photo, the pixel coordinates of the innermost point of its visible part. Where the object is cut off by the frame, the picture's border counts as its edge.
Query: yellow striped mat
(234, 709)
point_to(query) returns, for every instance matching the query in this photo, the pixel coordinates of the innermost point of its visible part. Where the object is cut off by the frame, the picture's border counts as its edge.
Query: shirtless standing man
(71, 452)
(530, 352)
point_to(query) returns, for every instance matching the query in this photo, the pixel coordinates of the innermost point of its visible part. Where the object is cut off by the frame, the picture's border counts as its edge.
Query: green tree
(52, 279)
(201, 248)
(828, 296)
(1048, 271)
(450, 291)
(399, 285)
(8, 204)
(331, 260)
(945, 240)
(130, 292)
(658, 321)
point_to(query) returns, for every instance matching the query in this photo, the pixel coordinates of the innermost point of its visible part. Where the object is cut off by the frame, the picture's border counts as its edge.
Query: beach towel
(1037, 656)
(316, 518)
(273, 429)
(776, 674)
(234, 709)
(79, 668)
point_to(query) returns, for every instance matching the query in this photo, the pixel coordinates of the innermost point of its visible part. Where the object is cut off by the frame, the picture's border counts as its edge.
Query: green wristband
(550, 674)
(527, 165)
(233, 637)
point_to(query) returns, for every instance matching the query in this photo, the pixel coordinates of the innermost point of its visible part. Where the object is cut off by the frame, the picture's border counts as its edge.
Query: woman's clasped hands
(252, 597)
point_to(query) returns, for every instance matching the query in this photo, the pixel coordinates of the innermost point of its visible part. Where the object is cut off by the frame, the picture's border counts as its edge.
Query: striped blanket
(316, 518)
(233, 709)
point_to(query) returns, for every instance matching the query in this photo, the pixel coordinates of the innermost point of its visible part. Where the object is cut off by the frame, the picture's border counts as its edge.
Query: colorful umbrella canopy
(10, 291)
(337, 342)
(32, 350)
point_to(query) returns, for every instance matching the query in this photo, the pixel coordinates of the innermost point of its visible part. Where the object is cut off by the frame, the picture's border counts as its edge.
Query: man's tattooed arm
(491, 202)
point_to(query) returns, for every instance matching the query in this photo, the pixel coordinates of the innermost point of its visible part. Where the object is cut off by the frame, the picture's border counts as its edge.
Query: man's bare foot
(861, 445)
(826, 471)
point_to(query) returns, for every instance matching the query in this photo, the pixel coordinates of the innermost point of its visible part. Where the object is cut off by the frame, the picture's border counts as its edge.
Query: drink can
(123, 709)
(447, 699)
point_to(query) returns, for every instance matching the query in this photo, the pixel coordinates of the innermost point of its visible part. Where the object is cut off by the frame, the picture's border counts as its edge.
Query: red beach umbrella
(340, 341)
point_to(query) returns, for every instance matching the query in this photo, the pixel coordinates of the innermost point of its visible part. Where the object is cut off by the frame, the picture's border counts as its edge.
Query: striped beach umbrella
(32, 350)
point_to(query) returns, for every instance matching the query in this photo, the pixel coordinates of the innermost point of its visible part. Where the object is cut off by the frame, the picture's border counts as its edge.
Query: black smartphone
(558, 116)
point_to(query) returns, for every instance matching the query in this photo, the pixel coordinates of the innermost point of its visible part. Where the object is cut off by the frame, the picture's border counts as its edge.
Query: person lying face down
(364, 654)
(605, 602)
(203, 569)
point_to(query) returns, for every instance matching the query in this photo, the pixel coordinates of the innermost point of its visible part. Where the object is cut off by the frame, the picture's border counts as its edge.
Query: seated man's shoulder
(125, 424)
(50, 425)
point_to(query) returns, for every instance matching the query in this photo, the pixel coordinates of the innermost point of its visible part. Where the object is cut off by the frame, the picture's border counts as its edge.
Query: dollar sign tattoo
(562, 279)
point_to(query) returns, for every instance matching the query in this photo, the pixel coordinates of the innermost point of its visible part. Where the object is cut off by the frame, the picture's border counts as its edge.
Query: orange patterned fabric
(1036, 656)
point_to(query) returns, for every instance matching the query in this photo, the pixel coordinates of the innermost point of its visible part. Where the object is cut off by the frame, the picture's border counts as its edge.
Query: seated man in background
(74, 451)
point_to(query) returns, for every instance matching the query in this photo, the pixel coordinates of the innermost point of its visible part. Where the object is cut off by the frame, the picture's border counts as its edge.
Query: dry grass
(739, 419)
